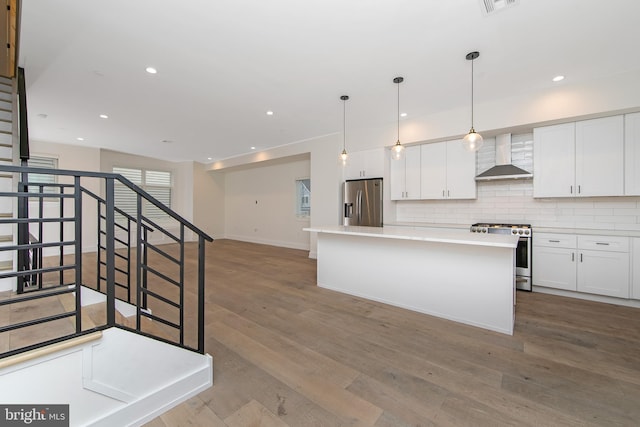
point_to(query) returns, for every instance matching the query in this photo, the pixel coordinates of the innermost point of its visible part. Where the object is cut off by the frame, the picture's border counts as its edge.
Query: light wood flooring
(287, 353)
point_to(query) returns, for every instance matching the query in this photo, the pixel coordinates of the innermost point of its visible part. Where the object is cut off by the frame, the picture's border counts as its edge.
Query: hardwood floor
(287, 353)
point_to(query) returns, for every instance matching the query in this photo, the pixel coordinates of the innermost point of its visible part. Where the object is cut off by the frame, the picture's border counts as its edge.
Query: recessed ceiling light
(151, 70)
(253, 148)
(269, 113)
(104, 116)
(403, 114)
(42, 115)
(558, 78)
(80, 138)
(209, 158)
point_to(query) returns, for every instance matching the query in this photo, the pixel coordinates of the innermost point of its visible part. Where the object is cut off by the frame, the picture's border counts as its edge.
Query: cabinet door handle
(579, 190)
(554, 241)
(573, 256)
(448, 193)
(580, 257)
(602, 243)
(442, 193)
(571, 190)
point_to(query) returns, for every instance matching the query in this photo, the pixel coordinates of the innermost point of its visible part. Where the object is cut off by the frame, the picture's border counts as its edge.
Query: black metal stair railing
(138, 260)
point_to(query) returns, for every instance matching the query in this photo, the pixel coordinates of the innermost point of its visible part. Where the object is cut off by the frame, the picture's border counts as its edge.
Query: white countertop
(460, 237)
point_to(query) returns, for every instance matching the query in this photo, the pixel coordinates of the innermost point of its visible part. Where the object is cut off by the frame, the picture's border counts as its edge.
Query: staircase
(6, 179)
(117, 333)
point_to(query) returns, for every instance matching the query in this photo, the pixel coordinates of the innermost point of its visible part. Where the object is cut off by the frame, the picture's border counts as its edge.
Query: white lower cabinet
(591, 264)
(635, 281)
(554, 261)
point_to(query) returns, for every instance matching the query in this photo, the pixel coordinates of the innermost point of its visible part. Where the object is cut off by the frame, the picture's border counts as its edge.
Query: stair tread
(6, 215)
(6, 265)
(6, 238)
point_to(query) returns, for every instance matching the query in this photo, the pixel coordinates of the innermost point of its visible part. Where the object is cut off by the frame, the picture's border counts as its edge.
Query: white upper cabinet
(405, 175)
(365, 164)
(554, 160)
(632, 154)
(448, 171)
(582, 159)
(433, 182)
(600, 157)
(461, 171)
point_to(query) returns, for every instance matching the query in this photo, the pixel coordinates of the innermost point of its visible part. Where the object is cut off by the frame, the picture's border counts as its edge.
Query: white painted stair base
(122, 379)
(89, 296)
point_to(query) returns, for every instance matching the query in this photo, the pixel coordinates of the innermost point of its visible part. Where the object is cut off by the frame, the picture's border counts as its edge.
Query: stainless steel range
(523, 252)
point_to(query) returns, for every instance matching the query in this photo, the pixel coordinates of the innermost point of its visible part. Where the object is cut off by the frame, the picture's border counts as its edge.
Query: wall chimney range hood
(503, 168)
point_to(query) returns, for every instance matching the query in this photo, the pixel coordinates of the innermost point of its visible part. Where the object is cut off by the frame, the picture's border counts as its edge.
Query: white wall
(209, 200)
(260, 203)
(326, 176)
(70, 157)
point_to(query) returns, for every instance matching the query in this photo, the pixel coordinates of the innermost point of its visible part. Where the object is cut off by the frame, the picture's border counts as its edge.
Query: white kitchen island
(456, 274)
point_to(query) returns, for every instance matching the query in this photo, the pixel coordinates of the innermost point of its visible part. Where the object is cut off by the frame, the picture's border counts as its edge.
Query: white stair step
(6, 96)
(6, 126)
(120, 379)
(6, 265)
(6, 152)
(6, 106)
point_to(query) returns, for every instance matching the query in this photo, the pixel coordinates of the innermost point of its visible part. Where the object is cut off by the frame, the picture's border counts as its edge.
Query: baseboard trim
(279, 243)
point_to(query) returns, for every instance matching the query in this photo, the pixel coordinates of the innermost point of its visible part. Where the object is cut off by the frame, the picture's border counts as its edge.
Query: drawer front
(552, 240)
(604, 243)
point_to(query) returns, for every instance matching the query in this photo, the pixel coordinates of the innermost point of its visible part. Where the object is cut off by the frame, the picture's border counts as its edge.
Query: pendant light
(344, 157)
(397, 151)
(473, 140)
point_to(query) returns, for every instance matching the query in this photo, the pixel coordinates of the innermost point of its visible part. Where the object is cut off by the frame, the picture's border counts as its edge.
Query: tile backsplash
(513, 202)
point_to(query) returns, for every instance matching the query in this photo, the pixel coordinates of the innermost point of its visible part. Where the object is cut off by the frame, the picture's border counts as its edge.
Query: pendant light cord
(398, 110)
(472, 61)
(344, 125)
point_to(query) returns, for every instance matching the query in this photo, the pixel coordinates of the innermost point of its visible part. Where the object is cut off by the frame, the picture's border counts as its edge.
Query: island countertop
(462, 237)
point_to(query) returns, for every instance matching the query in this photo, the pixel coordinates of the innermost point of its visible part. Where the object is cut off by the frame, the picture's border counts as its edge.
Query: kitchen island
(453, 274)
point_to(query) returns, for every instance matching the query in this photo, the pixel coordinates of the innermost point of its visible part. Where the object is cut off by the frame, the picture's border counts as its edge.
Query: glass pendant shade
(397, 151)
(343, 159)
(472, 141)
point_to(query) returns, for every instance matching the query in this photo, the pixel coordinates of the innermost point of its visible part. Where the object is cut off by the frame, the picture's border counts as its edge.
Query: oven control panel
(519, 230)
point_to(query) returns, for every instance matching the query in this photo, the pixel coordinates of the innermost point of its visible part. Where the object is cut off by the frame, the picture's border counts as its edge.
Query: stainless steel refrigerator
(363, 202)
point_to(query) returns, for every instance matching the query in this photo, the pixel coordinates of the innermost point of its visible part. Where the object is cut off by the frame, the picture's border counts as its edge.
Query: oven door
(523, 264)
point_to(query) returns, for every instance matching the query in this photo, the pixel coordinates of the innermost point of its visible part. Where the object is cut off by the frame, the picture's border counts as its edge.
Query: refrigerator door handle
(348, 210)
(359, 206)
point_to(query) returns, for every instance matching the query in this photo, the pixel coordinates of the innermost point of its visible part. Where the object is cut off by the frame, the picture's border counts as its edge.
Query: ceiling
(223, 64)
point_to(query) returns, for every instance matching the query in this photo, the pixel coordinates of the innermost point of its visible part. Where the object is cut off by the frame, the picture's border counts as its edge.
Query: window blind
(156, 183)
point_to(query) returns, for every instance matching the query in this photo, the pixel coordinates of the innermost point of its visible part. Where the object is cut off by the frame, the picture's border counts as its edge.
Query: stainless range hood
(503, 168)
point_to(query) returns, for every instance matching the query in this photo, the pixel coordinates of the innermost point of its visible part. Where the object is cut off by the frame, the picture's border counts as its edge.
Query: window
(42, 178)
(303, 197)
(156, 183)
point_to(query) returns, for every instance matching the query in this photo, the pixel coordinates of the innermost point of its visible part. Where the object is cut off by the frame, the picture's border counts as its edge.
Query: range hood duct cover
(503, 168)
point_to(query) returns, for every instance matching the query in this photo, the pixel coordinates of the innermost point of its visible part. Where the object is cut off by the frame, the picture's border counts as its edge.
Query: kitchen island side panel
(464, 283)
